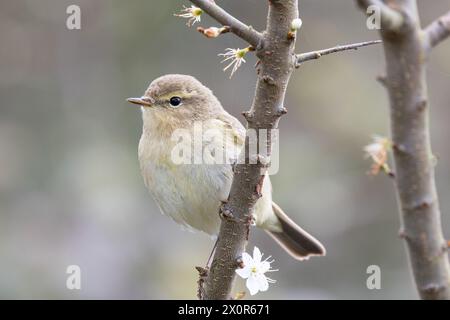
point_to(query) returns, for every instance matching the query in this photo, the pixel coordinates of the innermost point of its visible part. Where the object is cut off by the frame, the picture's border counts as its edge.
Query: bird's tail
(296, 241)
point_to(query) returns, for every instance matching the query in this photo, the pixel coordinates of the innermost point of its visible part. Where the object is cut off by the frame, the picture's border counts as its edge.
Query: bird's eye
(175, 101)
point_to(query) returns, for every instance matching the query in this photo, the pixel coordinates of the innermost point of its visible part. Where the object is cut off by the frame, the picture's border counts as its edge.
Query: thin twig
(237, 27)
(302, 57)
(438, 30)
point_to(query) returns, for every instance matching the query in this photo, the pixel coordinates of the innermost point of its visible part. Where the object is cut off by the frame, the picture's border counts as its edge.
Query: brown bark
(277, 59)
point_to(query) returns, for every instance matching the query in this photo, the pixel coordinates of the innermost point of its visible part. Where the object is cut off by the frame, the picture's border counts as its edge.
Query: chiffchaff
(191, 193)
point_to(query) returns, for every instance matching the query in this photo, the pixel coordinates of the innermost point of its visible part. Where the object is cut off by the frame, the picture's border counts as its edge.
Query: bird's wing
(234, 125)
(222, 145)
(230, 137)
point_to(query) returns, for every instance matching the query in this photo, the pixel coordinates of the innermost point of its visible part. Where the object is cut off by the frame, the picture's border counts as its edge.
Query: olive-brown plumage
(190, 193)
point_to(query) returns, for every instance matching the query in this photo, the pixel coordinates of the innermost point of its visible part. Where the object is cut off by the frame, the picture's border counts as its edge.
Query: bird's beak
(142, 101)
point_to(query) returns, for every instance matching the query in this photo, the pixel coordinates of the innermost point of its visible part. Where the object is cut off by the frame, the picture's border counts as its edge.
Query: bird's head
(176, 101)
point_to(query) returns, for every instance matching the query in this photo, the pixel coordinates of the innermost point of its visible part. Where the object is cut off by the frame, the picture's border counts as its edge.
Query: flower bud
(296, 24)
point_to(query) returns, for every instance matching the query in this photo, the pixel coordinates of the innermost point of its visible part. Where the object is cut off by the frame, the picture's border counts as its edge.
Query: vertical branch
(276, 65)
(406, 54)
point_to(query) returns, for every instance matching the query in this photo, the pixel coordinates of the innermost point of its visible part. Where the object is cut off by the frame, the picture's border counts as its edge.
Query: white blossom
(254, 269)
(378, 152)
(193, 14)
(236, 56)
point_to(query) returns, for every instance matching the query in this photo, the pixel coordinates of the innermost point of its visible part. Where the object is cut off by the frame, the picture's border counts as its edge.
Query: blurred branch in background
(438, 31)
(406, 53)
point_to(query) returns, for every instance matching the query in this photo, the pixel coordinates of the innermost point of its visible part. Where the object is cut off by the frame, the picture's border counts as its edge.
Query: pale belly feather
(191, 194)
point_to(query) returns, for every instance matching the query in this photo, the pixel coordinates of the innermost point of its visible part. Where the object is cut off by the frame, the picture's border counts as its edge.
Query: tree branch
(275, 68)
(303, 57)
(239, 28)
(416, 188)
(391, 19)
(438, 31)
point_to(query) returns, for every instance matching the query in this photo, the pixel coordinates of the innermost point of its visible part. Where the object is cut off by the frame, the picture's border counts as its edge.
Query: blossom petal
(264, 267)
(257, 255)
(252, 285)
(244, 272)
(247, 260)
(227, 58)
(263, 284)
(232, 63)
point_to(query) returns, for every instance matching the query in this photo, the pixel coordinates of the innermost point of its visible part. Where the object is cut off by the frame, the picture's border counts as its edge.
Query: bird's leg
(212, 253)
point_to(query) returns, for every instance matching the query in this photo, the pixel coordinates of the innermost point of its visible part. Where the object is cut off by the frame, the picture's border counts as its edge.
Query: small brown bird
(190, 192)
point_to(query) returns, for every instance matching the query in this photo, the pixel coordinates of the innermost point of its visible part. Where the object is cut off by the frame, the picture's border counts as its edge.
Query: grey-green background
(70, 187)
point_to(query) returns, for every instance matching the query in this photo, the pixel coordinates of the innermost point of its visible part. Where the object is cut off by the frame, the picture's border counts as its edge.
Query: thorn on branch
(422, 105)
(239, 263)
(226, 213)
(421, 205)
(402, 234)
(203, 274)
(248, 115)
(424, 205)
(281, 111)
(269, 80)
(399, 148)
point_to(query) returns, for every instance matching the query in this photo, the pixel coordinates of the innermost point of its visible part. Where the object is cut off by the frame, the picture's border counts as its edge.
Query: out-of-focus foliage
(70, 188)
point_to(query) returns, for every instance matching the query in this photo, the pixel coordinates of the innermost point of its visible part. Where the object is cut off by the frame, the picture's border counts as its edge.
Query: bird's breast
(189, 193)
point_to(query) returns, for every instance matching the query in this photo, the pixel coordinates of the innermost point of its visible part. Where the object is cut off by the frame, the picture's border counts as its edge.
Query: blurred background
(70, 186)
